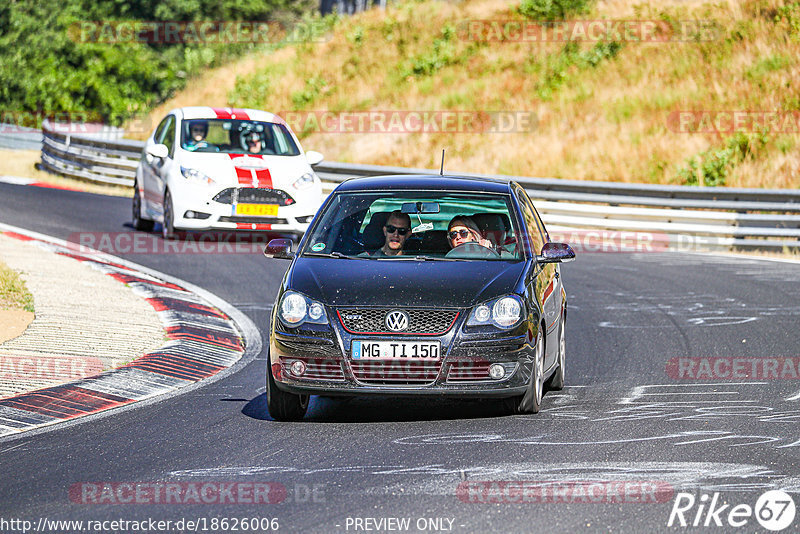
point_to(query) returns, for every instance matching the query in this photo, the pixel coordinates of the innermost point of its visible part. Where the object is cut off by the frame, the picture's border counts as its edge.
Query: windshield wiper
(337, 255)
(419, 258)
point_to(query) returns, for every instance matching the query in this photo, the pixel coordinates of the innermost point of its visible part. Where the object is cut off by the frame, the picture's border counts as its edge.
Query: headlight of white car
(195, 175)
(504, 313)
(296, 309)
(305, 181)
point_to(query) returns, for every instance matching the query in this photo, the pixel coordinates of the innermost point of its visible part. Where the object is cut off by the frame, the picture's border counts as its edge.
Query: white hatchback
(208, 168)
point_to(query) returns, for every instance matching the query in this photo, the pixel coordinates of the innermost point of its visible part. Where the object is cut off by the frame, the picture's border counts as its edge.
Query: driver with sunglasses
(462, 229)
(396, 230)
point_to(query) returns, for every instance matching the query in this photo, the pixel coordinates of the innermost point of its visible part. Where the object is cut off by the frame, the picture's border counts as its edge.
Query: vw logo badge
(397, 321)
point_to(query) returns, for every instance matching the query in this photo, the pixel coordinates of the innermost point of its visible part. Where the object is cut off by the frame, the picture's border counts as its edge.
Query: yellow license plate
(257, 209)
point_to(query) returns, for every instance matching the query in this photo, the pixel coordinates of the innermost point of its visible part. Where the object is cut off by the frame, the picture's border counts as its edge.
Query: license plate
(396, 350)
(257, 209)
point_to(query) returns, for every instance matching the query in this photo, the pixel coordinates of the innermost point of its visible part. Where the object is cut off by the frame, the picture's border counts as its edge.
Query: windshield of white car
(416, 226)
(237, 137)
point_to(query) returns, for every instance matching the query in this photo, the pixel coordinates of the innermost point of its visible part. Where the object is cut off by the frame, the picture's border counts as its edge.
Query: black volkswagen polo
(419, 285)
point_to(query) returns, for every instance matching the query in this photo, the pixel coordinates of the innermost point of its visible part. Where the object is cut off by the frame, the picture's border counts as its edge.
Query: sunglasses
(392, 229)
(456, 233)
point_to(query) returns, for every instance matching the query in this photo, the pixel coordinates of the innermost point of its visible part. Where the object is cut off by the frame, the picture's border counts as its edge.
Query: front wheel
(167, 227)
(282, 405)
(139, 223)
(531, 401)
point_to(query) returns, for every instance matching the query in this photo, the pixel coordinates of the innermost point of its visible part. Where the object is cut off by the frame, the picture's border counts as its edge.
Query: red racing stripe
(245, 176)
(263, 178)
(231, 113)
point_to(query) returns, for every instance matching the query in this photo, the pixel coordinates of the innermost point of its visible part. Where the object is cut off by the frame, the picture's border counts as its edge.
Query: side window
(168, 136)
(160, 130)
(532, 222)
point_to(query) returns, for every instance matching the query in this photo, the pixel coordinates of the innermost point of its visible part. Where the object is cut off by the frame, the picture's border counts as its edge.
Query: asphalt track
(622, 417)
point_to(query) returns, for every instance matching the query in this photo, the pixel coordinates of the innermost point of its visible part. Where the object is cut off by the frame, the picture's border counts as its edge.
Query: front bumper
(210, 214)
(461, 372)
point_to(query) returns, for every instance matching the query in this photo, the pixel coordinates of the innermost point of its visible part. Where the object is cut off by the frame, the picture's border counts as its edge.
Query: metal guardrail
(707, 218)
(90, 158)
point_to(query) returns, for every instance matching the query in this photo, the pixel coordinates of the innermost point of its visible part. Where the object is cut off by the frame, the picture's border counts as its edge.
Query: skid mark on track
(443, 478)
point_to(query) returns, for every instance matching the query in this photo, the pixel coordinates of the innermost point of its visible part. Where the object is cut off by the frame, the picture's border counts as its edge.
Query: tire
(557, 380)
(139, 223)
(531, 401)
(282, 405)
(167, 227)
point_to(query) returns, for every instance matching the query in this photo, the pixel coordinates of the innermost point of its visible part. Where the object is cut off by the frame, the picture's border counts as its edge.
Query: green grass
(13, 293)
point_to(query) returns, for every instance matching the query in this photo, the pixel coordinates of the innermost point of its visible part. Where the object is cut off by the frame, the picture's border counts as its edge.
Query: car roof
(426, 181)
(206, 112)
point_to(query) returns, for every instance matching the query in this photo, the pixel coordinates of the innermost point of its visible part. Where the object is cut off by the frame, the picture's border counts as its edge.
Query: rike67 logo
(774, 510)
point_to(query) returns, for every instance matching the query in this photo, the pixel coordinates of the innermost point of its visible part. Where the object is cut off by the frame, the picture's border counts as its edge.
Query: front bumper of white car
(246, 208)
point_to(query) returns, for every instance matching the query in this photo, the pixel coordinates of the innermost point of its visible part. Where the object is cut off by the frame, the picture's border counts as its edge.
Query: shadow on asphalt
(375, 409)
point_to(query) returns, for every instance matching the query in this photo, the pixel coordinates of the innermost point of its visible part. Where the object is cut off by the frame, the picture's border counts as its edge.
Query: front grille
(254, 195)
(253, 220)
(385, 372)
(468, 371)
(316, 369)
(422, 322)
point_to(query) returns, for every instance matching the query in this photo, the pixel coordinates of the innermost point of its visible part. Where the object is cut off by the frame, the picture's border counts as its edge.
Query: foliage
(313, 88)
(441, 54)
(13, 292)
(558, 66)
(52, 65)
(553, 9)
(712, 167)
(791, 14)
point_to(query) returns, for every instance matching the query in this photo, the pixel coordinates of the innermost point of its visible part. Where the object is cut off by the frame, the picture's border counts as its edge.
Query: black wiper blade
(329, 255)
(419, 258)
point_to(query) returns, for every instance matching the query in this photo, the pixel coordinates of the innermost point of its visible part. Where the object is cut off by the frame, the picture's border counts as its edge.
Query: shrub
(553, 9)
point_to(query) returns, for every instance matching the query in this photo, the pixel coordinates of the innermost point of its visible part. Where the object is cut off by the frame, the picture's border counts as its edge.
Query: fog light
(482, 313)
(497, 371)
(196, 215)
(315, 311)
(298, 368)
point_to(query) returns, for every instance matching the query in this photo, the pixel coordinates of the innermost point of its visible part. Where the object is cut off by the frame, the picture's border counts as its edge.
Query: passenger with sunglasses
(462, 229)
(395, 231)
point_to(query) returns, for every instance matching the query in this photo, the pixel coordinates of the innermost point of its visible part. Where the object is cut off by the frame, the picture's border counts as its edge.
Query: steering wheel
(471, 250)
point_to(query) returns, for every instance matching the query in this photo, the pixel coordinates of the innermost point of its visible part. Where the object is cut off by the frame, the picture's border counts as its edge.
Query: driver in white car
(198, 130)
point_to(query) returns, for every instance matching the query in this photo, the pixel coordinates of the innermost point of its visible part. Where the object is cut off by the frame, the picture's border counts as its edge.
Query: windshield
(416, 225)
(237, 137)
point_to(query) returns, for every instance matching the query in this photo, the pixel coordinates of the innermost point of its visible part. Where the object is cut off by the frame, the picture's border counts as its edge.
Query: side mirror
(313, 157)
(556, 253)
(279, 248)
(158, 151)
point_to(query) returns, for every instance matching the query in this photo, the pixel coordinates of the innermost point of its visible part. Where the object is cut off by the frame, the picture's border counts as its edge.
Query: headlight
(296, 309)
(305, 181)
(195, 175)
(504, 313)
